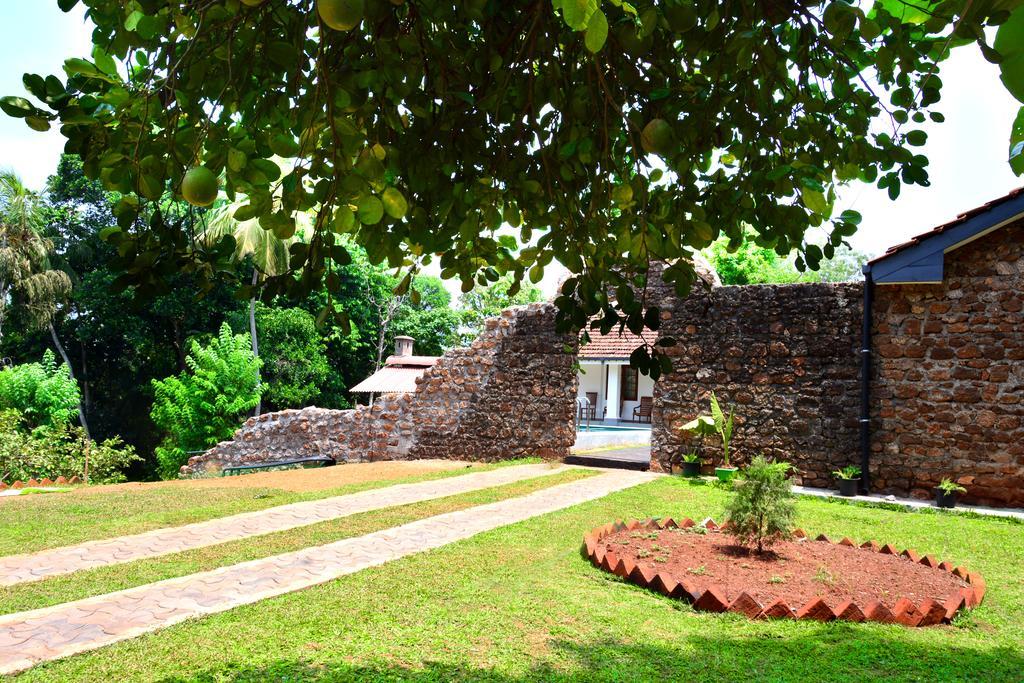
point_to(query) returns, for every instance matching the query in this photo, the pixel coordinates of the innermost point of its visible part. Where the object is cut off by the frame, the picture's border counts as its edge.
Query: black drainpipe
(865, 382)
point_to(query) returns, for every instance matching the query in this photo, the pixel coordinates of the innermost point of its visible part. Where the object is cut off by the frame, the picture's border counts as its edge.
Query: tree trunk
(179, 345)
(71, 371)
(252, 335)
(86, 394)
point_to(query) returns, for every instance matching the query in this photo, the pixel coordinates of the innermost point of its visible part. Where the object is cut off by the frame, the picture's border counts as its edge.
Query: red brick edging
(713, 599)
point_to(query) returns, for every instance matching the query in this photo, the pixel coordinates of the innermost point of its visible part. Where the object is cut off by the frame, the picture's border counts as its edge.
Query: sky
(967, 152)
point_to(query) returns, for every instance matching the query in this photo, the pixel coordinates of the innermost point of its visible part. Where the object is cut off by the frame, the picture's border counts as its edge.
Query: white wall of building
(591, 377)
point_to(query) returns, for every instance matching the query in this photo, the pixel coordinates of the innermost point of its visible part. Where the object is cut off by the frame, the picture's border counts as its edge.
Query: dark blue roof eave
(922, 260)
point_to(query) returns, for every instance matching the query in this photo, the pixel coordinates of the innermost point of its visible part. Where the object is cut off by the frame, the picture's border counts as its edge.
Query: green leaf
(18, 107)
(1017, 144)
(577, 13)
(917, 137)
(1009, 43)
(394, 203)
(815, 201)
(910, 11)
(369, 210)
(597, 32)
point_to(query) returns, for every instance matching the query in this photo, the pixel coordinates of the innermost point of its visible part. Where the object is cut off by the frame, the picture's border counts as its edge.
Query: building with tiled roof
(400, 371)
(608, 388)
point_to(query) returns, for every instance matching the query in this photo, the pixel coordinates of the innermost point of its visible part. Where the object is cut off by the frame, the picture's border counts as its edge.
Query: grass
(520, 603)
(32, 523)
(103, 580)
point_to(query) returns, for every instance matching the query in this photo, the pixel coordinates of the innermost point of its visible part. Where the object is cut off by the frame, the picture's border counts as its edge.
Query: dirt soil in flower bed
(795, 571)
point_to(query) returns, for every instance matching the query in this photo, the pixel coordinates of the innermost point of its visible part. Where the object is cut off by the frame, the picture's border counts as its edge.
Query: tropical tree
(485, 302)
(26, 275)
(263, 249)
(294, 363)
(606, 134)
(751, 262)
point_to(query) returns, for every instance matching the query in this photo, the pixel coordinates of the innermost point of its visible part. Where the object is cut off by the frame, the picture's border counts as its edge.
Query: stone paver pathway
(27, 638)
(15, 569)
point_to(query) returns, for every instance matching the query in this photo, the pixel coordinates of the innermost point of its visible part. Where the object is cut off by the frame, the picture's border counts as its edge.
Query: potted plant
(698, 428)
(947, 492)
(691, 465)
(849, 480)
(723, 427)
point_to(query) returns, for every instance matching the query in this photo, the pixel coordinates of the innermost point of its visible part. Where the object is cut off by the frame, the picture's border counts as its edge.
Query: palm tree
(26, 275)
(267, 253)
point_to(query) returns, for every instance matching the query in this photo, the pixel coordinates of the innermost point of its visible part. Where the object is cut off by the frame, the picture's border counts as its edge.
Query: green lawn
(520, 603)
(37, 522)
(103, 580)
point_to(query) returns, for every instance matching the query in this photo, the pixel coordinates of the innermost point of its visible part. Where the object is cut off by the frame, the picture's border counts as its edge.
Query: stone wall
(785, 356)
(509, 394)
(948, 395)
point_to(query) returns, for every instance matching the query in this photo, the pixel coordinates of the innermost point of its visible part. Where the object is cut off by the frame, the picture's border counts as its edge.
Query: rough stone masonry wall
(509, 394)
(948, 396)
(784, 355)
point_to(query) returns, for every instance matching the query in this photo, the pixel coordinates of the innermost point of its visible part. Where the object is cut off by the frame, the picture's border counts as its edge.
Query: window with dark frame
(630, 382)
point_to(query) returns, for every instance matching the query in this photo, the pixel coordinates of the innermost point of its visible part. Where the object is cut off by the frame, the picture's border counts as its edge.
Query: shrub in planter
(761, 509)
(691, 465)
(947, 492)
(849, 480)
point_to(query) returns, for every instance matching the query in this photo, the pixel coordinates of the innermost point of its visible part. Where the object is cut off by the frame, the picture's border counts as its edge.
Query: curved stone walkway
(15, 569)
(28, 638)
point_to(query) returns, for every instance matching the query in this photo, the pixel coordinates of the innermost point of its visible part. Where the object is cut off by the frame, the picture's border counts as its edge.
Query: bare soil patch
(313, 479)
(796, 571)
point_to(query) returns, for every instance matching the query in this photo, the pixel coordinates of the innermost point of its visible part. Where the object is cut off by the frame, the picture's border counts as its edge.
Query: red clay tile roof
(967, 215)
(613, 346)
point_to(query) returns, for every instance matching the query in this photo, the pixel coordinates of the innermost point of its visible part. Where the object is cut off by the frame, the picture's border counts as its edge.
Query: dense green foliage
(762, 510)
(750, 263)
(44, 394)
(485, 302)
(118, 342)
(420, 129)
(207, 403)
(294, 369)
(58, 451)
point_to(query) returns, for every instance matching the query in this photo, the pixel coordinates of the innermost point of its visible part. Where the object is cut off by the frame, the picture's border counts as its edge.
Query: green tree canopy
(485, 302)
(606, 134)
(750, 263)
(293, 356)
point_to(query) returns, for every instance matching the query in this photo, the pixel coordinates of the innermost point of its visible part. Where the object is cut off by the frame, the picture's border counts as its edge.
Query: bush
(44, 394)
(293, 355)
(62, 451)
(201, 407)
(761, 510)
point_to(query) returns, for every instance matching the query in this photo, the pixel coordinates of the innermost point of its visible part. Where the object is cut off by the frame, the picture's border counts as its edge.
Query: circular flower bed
(801, 579)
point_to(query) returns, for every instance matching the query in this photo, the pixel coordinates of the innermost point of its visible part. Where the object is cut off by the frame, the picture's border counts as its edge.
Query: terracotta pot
(725, 474)
(848, 487)
(691, 469)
